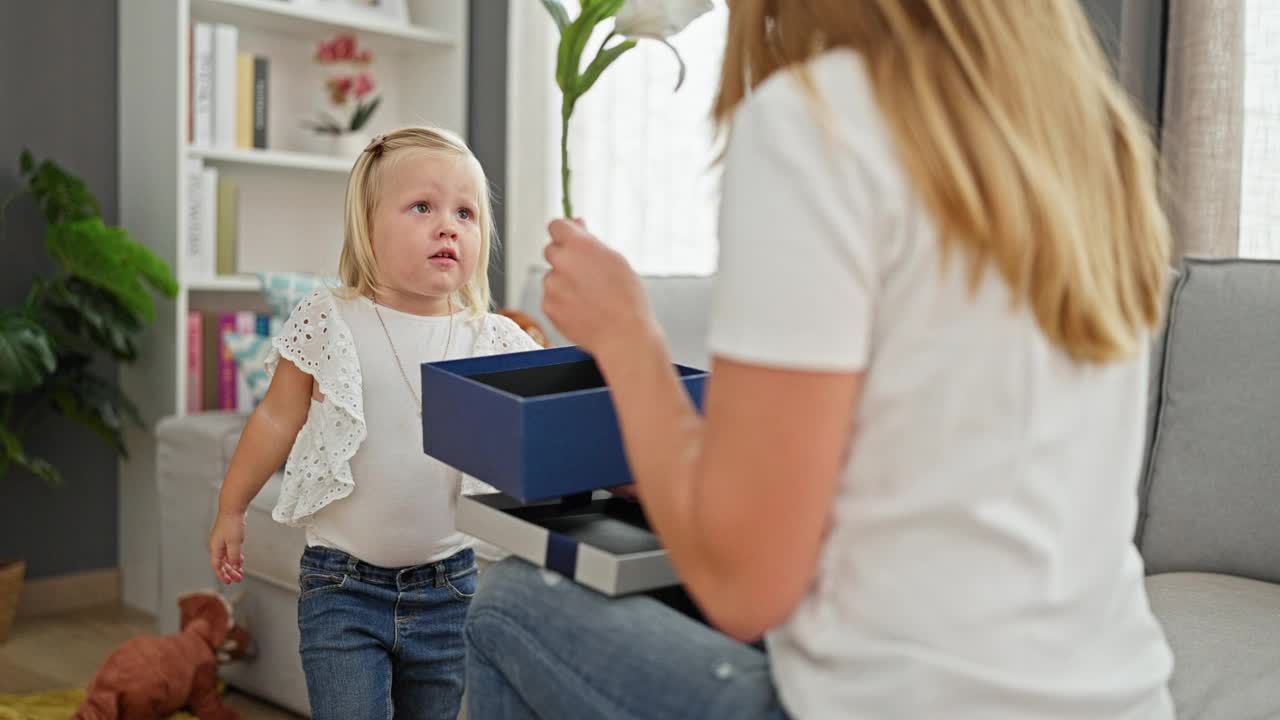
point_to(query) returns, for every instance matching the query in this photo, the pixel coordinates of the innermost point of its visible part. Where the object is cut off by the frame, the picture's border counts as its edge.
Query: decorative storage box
(540, 427)
(536, 425)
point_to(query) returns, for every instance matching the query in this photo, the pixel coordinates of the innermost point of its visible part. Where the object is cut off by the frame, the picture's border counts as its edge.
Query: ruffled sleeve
(318, 342)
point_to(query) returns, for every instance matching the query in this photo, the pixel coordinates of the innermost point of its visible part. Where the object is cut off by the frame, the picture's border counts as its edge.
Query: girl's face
(426, 227)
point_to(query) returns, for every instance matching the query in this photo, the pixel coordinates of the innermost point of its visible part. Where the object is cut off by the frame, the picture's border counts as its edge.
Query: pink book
(195, 362)
(226, 363)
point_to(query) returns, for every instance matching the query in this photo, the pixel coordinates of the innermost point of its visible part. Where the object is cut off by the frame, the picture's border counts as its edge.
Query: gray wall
(487, 114)
(1133, 33)
(58, 94)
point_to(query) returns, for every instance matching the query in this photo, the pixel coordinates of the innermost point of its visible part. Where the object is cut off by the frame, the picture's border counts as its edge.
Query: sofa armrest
(192, 454)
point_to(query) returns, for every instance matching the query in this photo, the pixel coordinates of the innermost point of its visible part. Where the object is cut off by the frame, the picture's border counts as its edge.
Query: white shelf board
(226, 283)
(273, 158)
(308, 21)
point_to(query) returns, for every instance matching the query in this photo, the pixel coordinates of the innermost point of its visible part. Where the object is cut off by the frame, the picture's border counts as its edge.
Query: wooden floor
(63, 651)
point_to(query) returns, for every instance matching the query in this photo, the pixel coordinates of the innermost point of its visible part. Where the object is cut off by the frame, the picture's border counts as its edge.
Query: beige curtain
(1202, 140)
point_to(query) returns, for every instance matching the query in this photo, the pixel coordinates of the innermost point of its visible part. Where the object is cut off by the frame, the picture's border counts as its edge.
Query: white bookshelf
(290, 199)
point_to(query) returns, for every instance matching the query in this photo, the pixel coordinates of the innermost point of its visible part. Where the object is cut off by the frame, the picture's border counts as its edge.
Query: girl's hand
(225, 542)
(592, 294)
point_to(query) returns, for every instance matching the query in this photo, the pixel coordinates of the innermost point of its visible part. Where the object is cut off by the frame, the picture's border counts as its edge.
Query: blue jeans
(540, 646)
(383, 643)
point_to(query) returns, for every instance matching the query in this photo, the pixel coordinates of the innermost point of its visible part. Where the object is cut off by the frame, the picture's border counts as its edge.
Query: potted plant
(93, 306)
(348, 88)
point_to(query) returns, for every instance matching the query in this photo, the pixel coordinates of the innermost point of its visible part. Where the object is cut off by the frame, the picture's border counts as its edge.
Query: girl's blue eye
(421, 208)
(465, 214)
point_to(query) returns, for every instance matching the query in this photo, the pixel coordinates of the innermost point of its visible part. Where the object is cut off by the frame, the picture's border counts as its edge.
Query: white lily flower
(657, 19)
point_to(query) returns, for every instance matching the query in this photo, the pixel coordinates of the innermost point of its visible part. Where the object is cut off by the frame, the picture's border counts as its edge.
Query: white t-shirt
(400, 512)
(980, 561)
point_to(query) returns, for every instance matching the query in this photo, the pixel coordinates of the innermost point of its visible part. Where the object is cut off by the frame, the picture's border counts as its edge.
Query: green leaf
(87, 311)
(14, 453)
(62, 196)
(25, 162)
(107, 258)
(558, 13)
(95, 402)
(26, 354)
(604, 58)
(363, 112)
(574, 38)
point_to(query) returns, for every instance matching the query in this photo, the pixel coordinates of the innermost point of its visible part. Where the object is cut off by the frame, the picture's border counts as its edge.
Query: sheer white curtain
(1260, 176)
(641, 154)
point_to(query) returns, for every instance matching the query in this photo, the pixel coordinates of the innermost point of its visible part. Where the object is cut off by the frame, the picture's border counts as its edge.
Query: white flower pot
(347, 146)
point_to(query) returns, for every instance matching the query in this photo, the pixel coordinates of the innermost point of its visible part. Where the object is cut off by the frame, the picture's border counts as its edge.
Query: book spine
(246, 324)
(225, 42)
(202, 84)
(260, 97)
(227, 225)
(244, 100)
(195, 362)
(207, 261)
(226, 363)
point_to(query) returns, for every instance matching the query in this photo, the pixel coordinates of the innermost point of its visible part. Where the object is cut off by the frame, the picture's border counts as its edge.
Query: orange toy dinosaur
(148, 678)
(527, 324)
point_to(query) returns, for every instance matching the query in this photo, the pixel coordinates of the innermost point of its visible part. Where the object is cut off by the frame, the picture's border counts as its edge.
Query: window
(1260, 184)
(642, 156)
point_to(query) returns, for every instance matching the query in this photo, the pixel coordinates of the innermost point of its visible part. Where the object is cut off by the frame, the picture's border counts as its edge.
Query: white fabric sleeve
(798, 276)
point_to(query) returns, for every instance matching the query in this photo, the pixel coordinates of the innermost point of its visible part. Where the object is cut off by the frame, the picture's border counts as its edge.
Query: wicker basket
(11, 575)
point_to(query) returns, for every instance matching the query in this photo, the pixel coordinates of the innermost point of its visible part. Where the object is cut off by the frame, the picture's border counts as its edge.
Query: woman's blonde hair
(1015, 134)
(356, 267)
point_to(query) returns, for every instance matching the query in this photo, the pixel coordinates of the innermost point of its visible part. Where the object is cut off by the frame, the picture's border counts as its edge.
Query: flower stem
(566, 109)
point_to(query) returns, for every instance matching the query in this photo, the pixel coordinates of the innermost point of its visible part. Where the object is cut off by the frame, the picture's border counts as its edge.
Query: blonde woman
(385, 579)
(941, 260)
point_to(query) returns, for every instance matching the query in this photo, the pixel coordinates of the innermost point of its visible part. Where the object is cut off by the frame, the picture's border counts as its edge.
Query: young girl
(942, 256)
(385, 579)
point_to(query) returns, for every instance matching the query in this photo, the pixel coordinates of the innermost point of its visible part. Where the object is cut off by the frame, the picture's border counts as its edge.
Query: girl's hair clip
(375, 145)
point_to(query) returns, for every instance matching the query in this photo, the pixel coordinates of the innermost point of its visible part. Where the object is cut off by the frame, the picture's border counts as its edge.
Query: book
(199, 260)
(202, 85)
(264, 324)
(225, 42)
(228, 220)
(244, 100)
(246, 324)
(208, 258)
(209, 366)
(260, 87)
(227, 392)
(195, 364)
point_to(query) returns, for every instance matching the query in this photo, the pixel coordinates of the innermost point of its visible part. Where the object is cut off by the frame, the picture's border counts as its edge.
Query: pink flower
(364, 86)
(365, 57)
(325, 53)
(339, 87)
(344, 46)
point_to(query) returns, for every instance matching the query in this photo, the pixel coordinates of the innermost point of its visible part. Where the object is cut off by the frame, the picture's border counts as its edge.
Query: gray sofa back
(1211, 490)
(682, 305)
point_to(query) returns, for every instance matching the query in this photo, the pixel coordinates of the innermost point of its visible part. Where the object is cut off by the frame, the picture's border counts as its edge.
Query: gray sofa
(1209, 526)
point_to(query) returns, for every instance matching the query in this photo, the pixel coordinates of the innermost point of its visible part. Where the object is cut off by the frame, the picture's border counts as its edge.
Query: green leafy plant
(652, 19)
(94, 306)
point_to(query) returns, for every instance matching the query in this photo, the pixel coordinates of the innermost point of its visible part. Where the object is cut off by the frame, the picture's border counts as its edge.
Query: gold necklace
(403, 375)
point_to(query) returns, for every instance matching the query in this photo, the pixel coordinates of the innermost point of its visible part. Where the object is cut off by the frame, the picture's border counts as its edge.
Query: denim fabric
(541, 646)
(381, 642)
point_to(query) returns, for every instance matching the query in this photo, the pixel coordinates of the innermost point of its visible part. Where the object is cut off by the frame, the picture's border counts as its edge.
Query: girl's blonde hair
(1016, 136)
(356, 267)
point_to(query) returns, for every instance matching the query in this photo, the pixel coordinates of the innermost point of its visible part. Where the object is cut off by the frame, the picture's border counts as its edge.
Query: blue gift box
(536, 425)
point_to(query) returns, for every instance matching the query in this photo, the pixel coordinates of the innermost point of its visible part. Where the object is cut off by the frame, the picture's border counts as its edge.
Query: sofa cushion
(682, 305)
(1225, 635)
(1211, 485)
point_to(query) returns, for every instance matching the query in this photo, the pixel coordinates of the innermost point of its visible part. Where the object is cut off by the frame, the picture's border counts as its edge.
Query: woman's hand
(592, 294)
(226, 541)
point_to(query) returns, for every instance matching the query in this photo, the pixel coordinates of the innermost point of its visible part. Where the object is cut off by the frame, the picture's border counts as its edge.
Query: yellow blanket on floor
(50, 705)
